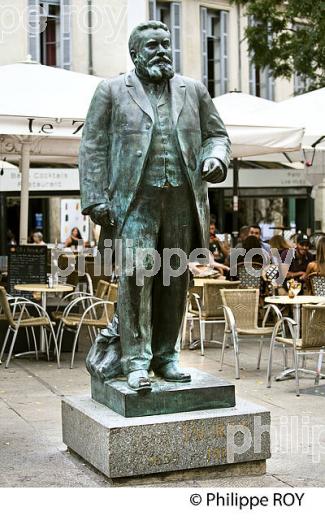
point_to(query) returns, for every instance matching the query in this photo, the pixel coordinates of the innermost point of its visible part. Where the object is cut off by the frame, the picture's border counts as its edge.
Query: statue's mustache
(160, 59)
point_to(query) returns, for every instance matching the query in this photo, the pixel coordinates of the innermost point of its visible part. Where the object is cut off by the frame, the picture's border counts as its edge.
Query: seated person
(302, 258)
(318, 265)
(255, 231)
(37, 239)
(280, 243)
(252, 242)
(74, 239)
(219, 250)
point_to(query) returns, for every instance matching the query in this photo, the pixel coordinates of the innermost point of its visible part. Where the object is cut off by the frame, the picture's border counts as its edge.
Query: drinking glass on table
(294, 288)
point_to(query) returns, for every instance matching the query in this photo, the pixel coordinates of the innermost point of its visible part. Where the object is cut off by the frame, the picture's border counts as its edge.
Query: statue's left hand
(212, 170)
(99, 214)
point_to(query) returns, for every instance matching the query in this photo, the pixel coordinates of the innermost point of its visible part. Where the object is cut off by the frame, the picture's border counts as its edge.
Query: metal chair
(241, 316)
(23, 321)
(312, 341)
(191, 313)
(89, 318)
(102, 291)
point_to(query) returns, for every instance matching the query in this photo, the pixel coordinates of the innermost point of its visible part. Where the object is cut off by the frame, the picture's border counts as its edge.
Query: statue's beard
(156, 70)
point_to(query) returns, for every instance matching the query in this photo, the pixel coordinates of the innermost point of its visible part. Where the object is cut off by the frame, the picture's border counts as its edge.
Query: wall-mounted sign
(263, 178)
(41, 179)
(14, 125)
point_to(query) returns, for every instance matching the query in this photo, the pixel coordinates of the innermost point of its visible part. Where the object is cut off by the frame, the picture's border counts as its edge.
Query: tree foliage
(288, 37)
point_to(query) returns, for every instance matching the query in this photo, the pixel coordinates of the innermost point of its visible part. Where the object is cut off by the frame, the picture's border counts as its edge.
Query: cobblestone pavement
(32, 453)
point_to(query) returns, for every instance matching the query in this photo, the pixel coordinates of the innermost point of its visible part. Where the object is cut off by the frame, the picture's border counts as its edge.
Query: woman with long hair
(74, 238)
(280, 243)
(318, 266)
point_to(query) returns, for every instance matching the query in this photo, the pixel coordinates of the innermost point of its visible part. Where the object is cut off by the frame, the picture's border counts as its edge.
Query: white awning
(253, 127)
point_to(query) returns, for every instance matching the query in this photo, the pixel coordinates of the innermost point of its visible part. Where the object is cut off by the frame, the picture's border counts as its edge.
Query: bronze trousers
(151, 313)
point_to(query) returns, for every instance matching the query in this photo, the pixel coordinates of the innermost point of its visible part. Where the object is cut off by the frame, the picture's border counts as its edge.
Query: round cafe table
(199, 282)
(296, 303)
(44, 289)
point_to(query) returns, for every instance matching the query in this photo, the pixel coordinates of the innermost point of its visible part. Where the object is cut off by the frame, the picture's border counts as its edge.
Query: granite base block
(204, 392)
(126, 447)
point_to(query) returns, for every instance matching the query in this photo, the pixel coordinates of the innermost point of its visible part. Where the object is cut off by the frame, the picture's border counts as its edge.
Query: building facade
(91, 36)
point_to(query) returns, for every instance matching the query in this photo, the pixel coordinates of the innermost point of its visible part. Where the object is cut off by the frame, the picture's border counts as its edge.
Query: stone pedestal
(204, 392)
(125, 447)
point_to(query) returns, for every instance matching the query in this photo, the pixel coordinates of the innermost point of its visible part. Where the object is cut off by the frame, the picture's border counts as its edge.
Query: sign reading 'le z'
(36, 126)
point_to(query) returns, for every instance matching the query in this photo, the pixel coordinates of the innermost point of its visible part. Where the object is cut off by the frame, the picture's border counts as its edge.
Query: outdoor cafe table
(44, 289)
(199, 282)
(296, 303)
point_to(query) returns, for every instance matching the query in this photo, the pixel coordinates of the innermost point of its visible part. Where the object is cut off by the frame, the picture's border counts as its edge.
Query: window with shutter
(169, 13)
(214, 44)
(261, 81)
(49, 32)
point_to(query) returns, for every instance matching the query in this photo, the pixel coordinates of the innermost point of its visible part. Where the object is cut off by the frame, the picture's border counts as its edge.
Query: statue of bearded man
(151, 143)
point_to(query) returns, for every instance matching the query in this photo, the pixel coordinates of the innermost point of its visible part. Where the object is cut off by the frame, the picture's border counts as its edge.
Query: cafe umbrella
(254, 130)
(42, 111)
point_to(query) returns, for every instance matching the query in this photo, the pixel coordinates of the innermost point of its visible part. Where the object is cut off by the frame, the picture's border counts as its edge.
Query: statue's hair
(136, 33)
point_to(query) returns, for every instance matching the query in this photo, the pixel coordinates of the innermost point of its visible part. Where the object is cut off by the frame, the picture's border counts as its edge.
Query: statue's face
(153, 60)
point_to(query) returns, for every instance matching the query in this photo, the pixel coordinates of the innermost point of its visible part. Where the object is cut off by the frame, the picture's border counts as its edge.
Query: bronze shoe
(172, 373)
(139, 381)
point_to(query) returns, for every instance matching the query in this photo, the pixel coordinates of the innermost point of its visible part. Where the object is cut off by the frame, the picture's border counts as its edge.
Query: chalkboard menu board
(27, 264)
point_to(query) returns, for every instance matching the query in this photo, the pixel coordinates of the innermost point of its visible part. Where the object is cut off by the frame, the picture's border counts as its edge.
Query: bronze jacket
(116, 142)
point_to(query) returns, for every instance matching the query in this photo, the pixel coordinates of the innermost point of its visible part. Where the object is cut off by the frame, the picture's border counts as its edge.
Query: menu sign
(27, 264)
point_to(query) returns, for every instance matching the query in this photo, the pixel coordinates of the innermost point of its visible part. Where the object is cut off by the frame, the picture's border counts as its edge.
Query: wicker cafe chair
(26, 314)
(241, 316)
(209, 307)
(90, 318)
(312, 341)
(249, 280)
(317, 284)
(24, 321)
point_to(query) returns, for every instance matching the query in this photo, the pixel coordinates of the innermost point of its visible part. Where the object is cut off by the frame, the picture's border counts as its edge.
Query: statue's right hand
(100, 214)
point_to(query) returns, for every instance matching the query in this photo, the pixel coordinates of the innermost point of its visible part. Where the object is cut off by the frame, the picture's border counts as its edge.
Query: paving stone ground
(32, 453)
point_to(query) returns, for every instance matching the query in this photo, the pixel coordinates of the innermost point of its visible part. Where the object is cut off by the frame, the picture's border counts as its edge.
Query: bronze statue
(151, 142)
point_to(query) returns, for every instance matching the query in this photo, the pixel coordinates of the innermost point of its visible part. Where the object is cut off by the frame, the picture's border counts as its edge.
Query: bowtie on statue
(212, 171)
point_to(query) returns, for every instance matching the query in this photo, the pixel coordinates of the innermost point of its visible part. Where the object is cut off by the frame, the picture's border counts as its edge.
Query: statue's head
(151, 52)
